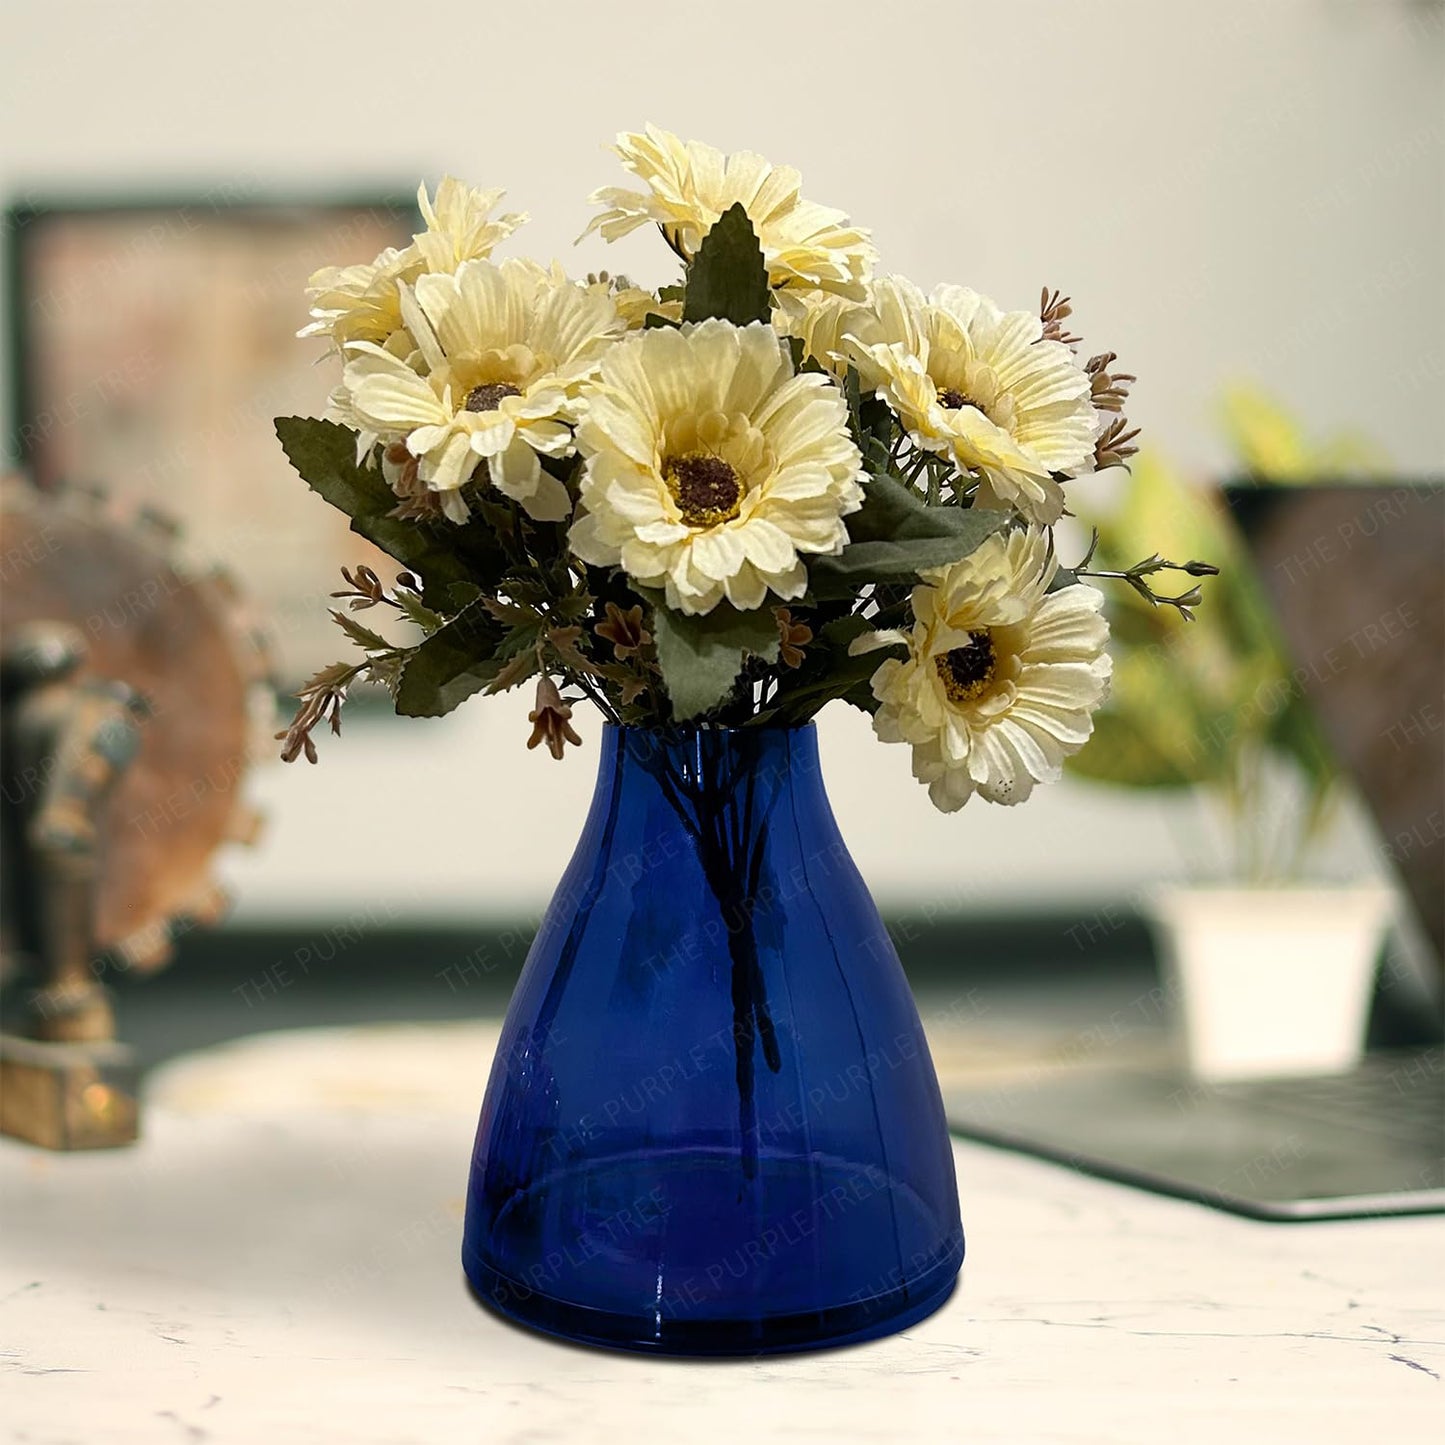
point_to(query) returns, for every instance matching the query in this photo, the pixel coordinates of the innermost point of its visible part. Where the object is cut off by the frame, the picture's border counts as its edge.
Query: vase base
(849, 1324)
(670, 1252)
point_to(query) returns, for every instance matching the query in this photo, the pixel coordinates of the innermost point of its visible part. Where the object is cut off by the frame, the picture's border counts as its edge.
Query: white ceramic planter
(1271, 982)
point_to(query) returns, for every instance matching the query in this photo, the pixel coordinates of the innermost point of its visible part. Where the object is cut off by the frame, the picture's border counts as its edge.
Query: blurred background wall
(1250, 189)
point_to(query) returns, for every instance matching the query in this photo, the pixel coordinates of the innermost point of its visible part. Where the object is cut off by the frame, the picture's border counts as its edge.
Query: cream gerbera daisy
(982, 387)
(690, 185)
(501, 352)
(362, 303)
(823, 321)
(712, 469)
(1002, 676)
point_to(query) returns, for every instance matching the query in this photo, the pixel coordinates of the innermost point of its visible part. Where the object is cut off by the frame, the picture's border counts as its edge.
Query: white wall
(1244, 186)
(1250, 188)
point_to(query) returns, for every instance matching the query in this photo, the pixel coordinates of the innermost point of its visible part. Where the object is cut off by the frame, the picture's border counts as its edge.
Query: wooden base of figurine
(68, 1095)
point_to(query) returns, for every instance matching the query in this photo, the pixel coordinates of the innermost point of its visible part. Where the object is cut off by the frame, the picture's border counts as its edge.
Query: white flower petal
(516, 472)
(549, 502)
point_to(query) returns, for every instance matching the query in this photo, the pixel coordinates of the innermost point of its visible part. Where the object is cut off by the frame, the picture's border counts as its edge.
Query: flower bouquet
(710, 509)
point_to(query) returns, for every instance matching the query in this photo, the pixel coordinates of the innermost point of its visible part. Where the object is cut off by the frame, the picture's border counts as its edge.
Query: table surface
(277, 1261)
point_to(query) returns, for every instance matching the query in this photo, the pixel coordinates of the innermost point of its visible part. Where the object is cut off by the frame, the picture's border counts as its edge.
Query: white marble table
(277, 1262)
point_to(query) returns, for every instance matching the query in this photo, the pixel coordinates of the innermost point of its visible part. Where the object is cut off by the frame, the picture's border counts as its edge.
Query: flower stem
(731, 841)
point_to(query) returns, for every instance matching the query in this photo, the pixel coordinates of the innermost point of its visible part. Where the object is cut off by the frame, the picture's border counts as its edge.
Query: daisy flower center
(968, 670)
(706, 488)
(976, 385)
(953, 399)
(489, 396)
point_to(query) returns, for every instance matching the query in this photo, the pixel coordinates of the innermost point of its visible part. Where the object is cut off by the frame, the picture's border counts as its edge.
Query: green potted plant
(1271, 967)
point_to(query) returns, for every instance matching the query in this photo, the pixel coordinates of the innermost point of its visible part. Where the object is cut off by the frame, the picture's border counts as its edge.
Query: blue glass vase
(712, 1125)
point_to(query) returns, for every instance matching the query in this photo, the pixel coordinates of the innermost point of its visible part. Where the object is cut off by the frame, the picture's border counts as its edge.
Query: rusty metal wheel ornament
(181, 638)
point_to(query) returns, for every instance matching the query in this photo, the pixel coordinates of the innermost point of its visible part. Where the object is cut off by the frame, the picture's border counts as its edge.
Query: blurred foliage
(1212, 702)
(1269, 444)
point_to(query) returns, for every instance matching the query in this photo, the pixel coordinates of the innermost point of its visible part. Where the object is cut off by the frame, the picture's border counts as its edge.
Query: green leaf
(728, 277)
(459, 594)
(515, 670)
(360, 634)
(896, 534)
(521, 636)
(387, 671)
(441, 554)
(701, 657)
(417, 612)
(456, 661)
(878, 421)
(871, 422)
(892, 512)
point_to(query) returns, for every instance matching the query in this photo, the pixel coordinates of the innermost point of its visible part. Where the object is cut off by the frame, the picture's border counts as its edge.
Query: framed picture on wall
(151, 346)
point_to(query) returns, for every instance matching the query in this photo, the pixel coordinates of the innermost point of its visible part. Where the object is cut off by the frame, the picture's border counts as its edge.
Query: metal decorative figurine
(129, 692)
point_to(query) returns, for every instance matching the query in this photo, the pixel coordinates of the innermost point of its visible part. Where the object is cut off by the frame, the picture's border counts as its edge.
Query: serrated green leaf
(520, 637)
(459, 594)
(871, 422)
(896, 535)
(728, 277)
(509, 614)
(852, 389)
(417, 612)
(878, 421)
(457, 660)
(515, 670)
(387, 671)
(441, 554)
(701, 657)
(892, 513)
(359, 633)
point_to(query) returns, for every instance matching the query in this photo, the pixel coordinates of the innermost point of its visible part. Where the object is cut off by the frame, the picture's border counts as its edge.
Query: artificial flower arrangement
(711, 509)
(775, 481)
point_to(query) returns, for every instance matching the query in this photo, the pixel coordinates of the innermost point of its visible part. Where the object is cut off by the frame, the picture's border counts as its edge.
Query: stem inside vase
(720, 812)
